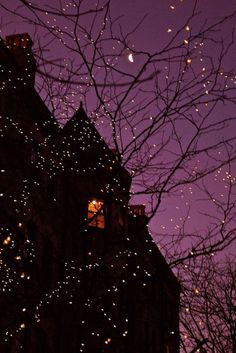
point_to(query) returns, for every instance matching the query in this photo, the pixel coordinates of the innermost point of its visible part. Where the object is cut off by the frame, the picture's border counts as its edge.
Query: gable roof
(81, 129)
(84, 152)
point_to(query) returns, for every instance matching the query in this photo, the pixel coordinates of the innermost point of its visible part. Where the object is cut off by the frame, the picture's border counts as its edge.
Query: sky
(162, 15)
(191, 212)
(161, 19)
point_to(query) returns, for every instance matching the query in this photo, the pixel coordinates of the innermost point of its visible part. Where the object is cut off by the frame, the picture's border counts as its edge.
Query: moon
(131, 58)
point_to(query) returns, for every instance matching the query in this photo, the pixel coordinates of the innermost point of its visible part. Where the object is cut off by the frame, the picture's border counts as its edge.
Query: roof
(21, 97)
(149, 253)
(82, 142)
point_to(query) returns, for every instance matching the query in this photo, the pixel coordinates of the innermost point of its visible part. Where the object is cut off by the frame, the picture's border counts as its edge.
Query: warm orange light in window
(96, 213)
(7, 240)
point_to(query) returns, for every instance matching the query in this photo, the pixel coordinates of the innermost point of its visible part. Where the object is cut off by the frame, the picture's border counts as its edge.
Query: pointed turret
(85, 153)
(83, 145)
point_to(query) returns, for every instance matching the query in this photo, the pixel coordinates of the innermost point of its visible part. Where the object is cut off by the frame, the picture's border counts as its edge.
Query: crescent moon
(131, 58)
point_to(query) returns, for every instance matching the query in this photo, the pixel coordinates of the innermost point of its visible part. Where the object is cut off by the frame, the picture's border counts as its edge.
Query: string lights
(158, 155)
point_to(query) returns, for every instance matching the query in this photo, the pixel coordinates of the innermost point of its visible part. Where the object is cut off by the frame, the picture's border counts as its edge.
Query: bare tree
(171, 119)
(209, 307)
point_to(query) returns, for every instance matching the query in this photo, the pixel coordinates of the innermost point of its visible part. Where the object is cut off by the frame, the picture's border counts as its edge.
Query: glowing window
(96, 213)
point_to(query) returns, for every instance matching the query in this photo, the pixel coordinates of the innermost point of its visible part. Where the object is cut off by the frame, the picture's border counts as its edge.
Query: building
(79, 270)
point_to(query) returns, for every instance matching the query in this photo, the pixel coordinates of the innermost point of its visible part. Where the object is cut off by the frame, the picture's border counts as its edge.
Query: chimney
(20, 45)
(138, 210)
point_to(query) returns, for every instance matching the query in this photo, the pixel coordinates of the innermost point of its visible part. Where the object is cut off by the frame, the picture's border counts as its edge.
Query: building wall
(74, 287)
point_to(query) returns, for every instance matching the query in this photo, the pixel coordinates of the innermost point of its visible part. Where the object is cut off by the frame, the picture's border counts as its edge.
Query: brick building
(79, 270)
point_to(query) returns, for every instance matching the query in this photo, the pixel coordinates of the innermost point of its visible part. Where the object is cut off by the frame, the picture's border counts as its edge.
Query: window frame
(96, 219)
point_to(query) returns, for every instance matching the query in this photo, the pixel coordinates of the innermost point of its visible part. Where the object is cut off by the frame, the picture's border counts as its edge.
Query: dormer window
(96, 213)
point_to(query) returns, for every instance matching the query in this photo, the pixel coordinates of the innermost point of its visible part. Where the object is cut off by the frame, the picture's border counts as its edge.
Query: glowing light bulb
(7, 240)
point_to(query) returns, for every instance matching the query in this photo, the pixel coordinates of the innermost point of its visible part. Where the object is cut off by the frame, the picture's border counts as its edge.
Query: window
(35, 153)
(96, 213)
(116, 217)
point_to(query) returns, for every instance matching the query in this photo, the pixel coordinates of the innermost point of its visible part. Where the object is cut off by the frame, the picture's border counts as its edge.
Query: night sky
(194, 212)
(189, 205)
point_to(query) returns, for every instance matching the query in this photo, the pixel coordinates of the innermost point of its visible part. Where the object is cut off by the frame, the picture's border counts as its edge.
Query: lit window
(96, 213)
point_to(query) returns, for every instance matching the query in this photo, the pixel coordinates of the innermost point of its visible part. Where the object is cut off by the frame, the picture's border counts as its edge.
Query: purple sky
(161, 16)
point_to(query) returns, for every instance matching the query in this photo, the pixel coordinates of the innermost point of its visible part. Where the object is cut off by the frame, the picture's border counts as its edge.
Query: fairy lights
(180, 116)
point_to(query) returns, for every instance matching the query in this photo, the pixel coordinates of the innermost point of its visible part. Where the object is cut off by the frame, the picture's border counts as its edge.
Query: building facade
(79, 270)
